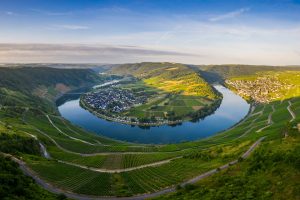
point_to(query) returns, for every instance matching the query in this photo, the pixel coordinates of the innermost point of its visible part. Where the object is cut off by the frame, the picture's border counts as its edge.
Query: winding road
(291, 112)
(111, 171)
(73, 138)
(270, 122)
(55, 190)
(250, 127)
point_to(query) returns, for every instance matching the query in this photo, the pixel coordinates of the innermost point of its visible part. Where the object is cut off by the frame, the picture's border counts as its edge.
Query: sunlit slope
(38, 86)
(169, 77)
(84, 163)
(267, 86)
(74, 166)
(219, 73)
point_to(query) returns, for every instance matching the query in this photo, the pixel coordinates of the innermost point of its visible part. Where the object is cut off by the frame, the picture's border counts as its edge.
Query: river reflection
(232, 109)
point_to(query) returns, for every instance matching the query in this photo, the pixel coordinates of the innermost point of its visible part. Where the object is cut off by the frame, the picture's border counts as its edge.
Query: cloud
(85, 48)
(68, 27)
(51, 13)
(167, 34)
(80, 53)
(229, 15)
(9, 13)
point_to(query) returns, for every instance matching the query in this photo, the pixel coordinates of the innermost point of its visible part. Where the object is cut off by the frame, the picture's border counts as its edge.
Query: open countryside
(135, 100)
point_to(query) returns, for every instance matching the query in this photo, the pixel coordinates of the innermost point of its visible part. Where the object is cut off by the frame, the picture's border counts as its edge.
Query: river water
(232, 109)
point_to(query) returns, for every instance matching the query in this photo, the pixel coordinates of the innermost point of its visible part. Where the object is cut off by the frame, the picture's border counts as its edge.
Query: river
(232, 109)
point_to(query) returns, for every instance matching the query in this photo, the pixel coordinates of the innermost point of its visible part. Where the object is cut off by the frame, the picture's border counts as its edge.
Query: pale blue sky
(189, 31)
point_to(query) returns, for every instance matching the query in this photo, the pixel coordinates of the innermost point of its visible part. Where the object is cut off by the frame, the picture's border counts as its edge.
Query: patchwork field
(173, 93)
(163, 104)
(258, 158)
(88, 164)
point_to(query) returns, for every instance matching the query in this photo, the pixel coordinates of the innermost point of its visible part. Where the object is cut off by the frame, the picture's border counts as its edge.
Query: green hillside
(221, 72)
(76, 161)
(170, 93)
(168, 77)
(28, 80)
(40, 85)
(267, 86)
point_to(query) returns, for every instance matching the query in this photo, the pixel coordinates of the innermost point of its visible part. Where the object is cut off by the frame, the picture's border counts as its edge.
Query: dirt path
(47, 155)
(270, 115)
(111, 171)
(100, 153)
(250, 127)
(42, 147)
(291, 112)
(96, 141)
(270, 121)
(55, 190)
(73, 138)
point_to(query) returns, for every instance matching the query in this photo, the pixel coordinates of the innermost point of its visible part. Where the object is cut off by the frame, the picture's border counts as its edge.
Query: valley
(160, 94)
(80, 164)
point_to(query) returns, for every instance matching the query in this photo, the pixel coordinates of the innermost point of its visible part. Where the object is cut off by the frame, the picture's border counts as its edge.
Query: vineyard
(77, 161)
(76, 155)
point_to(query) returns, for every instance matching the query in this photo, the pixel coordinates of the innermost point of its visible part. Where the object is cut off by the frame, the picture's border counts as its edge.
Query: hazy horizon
(193, 32)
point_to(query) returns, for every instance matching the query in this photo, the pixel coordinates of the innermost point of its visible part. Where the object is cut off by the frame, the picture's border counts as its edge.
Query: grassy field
(197, 157)
(163, 103)
(173, 91)
(268, 85)
(271, 172)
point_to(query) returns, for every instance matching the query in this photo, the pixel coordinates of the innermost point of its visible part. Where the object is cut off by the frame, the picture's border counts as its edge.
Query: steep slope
(34, 85)
(169, 77)
(213, 73)
(264, 87)
(28, 79)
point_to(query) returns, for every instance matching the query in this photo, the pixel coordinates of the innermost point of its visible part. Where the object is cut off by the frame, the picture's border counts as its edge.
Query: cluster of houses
(263, 89)
(113, 99)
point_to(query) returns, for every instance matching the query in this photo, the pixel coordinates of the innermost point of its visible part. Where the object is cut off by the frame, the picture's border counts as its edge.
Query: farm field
(161, 103)
(162, 94)
(192, 159)
(75, 161)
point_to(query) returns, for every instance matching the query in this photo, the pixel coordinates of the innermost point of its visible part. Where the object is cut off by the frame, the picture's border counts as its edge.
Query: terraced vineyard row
(113, 161)
(139, 181)
(222, 148)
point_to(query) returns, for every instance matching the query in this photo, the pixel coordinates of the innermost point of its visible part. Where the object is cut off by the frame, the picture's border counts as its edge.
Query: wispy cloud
(93, 49)
(229, 15)
(52, 13)
(11, 13)
(68, 27)
(167, 34)
(115, 9)
(81, 53)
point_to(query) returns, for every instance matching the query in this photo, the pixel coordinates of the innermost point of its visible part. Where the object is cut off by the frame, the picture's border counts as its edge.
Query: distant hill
(171, 77)
(268, 86)
(33, 84)
(26, 79)
(214, 73)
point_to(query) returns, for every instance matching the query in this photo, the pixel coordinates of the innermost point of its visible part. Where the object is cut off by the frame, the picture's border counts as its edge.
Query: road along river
(232, 109)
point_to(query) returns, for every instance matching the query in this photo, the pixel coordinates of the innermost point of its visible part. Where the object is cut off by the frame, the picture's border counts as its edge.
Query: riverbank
(198, 115)
(232, 109)
(86, 107)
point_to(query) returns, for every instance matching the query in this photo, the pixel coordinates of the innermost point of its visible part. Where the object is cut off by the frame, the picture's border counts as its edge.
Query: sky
(187, 31)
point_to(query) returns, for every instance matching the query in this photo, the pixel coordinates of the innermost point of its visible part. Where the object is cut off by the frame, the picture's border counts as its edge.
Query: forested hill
(170, 77)
(32, 86)
(26, 79)
(213, 73)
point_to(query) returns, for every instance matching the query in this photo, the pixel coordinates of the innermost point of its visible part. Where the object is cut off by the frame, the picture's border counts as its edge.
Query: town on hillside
(264, 89)
(113, 99)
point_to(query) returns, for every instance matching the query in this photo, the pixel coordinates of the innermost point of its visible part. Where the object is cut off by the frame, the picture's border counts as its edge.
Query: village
(113, 99)
(262, 90)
